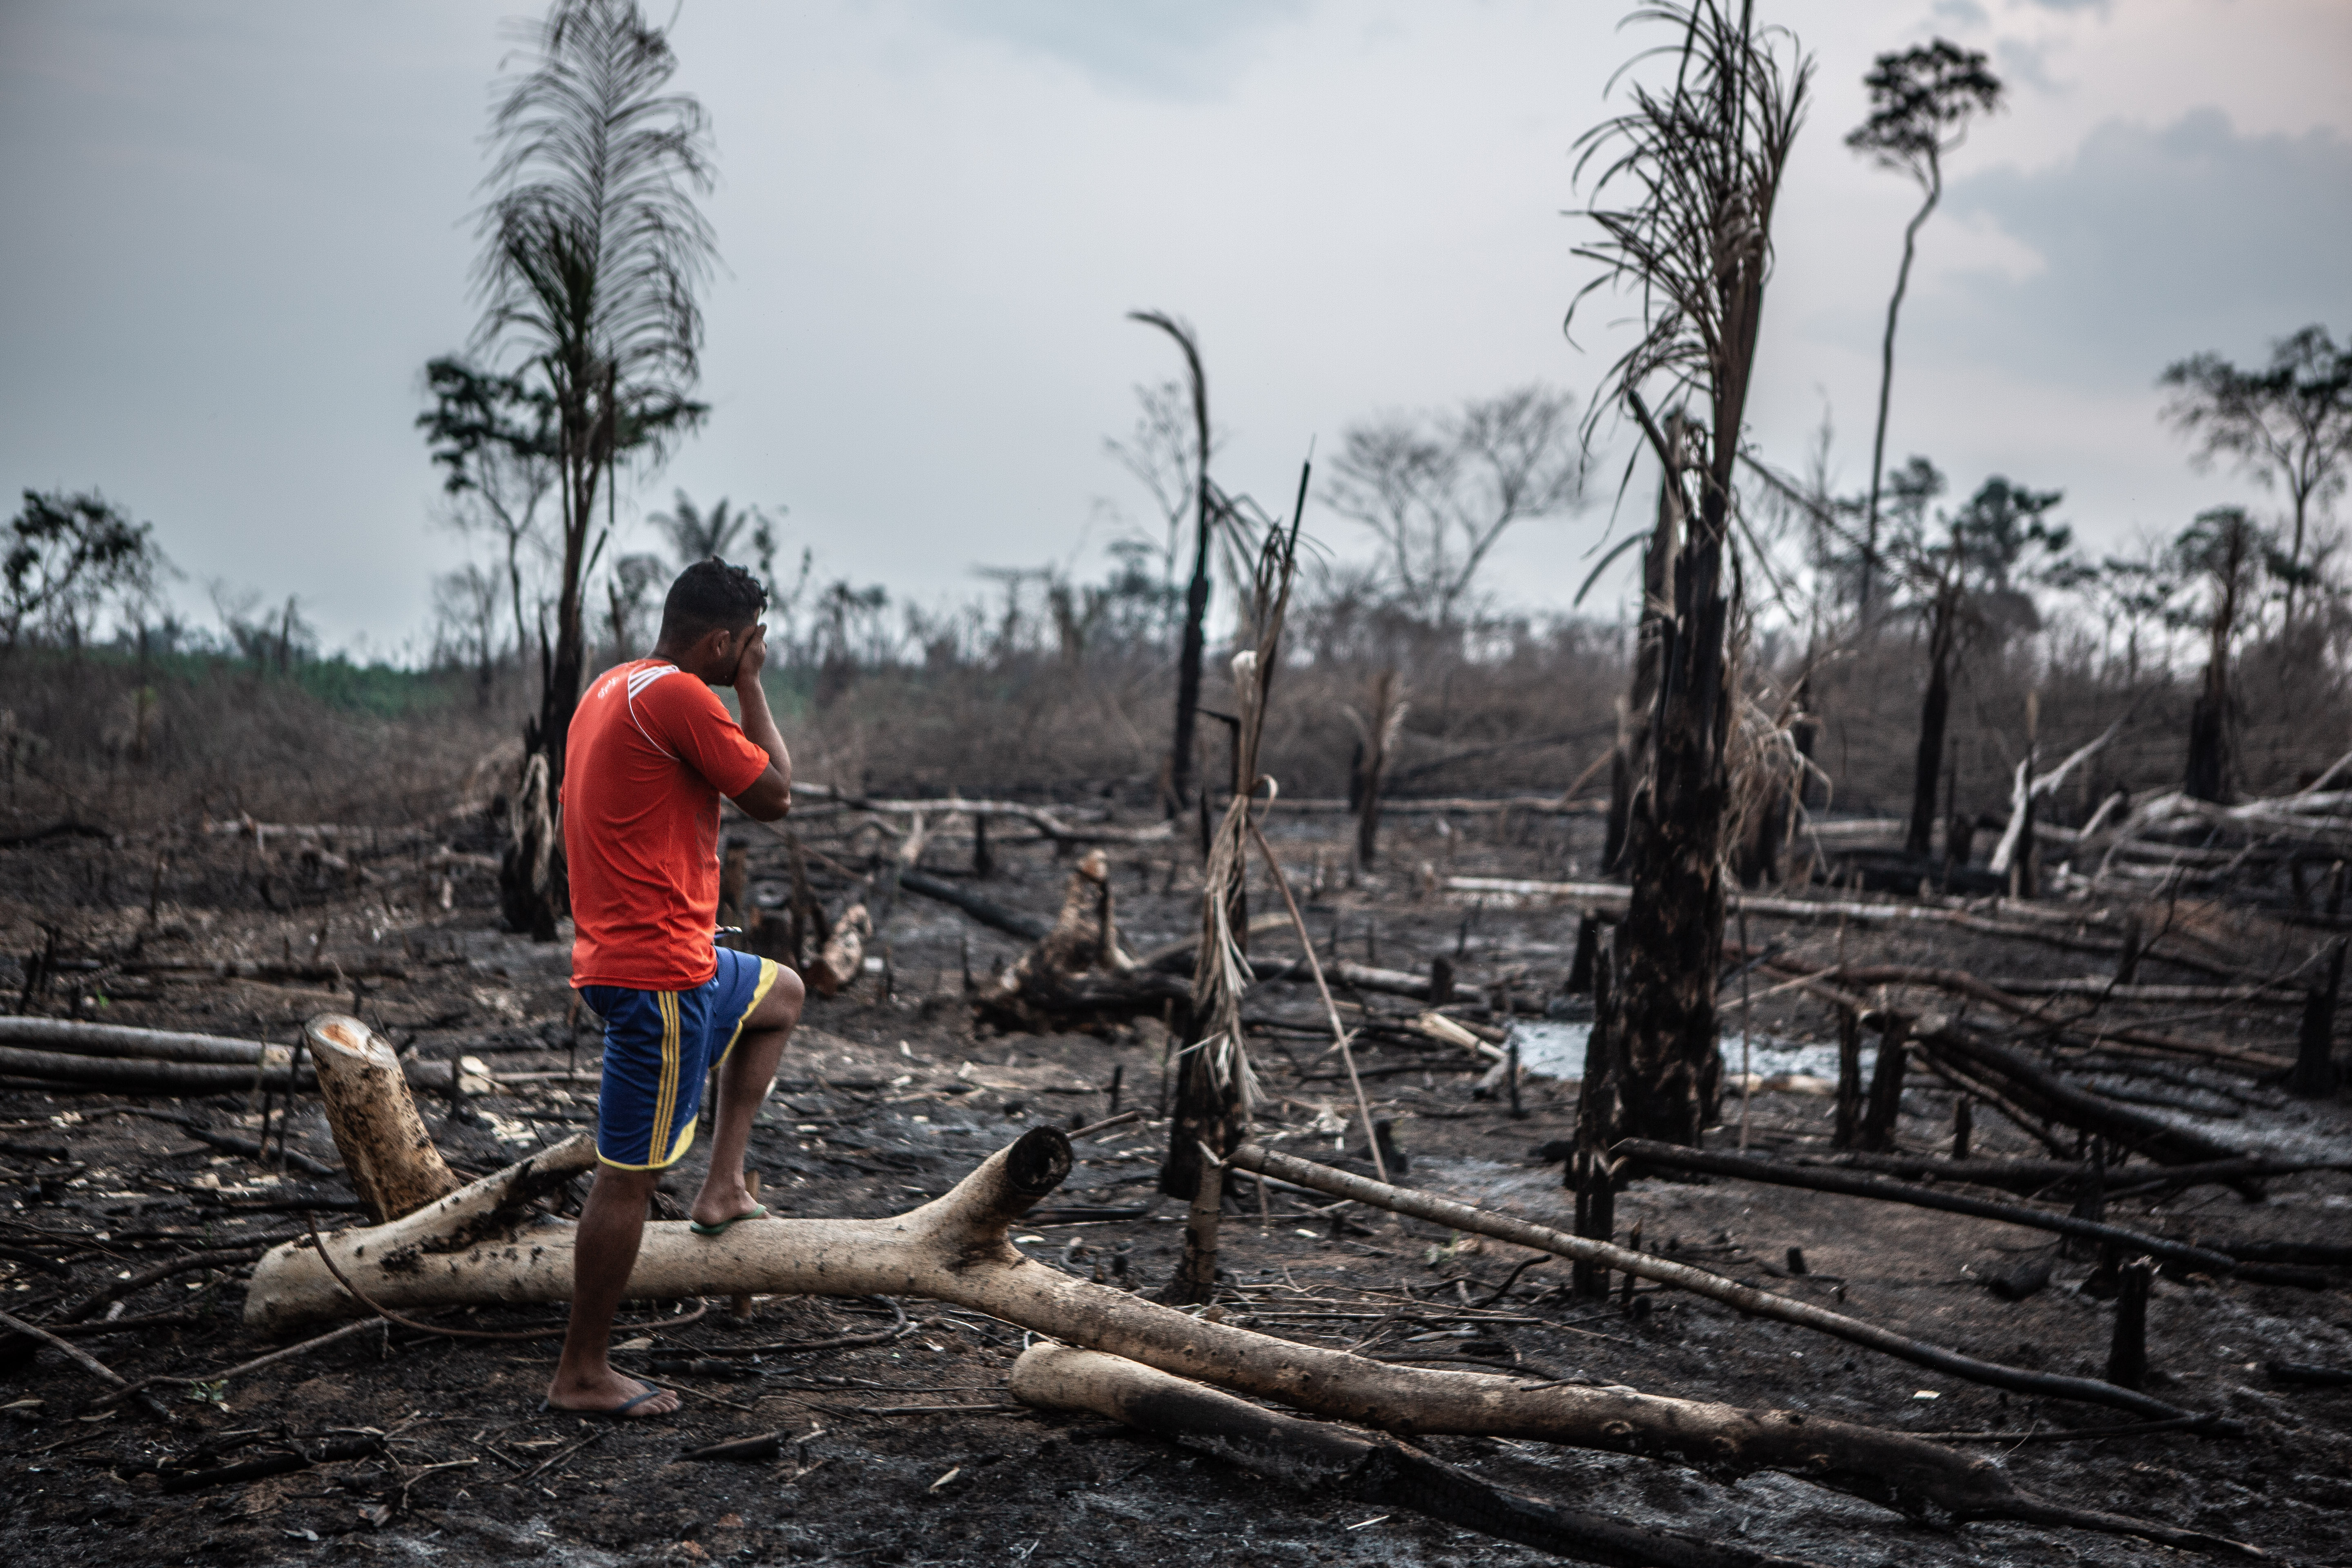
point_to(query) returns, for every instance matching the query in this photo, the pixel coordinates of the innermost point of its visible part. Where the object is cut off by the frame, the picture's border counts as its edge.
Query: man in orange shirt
(650, 750)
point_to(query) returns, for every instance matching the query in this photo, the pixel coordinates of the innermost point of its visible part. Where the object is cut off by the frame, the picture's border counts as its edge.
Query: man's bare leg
(743, 1083)
(604, 1251)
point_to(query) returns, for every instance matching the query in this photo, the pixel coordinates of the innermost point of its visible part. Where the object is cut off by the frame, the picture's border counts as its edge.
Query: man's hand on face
(753, 659)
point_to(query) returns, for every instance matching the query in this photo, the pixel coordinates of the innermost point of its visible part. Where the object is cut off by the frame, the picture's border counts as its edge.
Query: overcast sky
(235, 233)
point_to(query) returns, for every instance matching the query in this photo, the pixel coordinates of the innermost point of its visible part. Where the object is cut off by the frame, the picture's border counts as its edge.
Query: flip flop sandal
(755, 1212)
(617, 1413)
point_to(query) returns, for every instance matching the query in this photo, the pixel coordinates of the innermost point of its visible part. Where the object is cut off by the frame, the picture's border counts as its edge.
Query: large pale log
(1325, 1459)
(955, 1249)
(391, 1159)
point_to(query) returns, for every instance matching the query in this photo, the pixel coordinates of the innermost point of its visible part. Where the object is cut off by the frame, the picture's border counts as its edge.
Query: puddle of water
(1554, 1050)
(2298, 1130)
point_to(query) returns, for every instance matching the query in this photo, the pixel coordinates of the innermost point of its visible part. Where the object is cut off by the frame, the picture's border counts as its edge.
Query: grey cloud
(1169, 49)
(2156, 243)
(1960, 12)
(2026, 62)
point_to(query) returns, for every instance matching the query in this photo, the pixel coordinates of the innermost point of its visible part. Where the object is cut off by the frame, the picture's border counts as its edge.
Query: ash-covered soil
(908, 1449)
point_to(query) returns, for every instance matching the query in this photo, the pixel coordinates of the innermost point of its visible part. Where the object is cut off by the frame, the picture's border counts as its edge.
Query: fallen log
(1747, 1299)
(2045, 1094)
(2273, 995)
(164, 1048)
(463, 1250)
(1326, 1460)
(1959, 983)
(121, 1075)
(1046, 822)
(1832, 912)
(987, 911)
(2060, 1177)
(1457, 805)
(148, 1045)
(337, 975)
(1648, 1154)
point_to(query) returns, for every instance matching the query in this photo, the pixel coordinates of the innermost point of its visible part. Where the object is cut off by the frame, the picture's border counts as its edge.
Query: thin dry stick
(1747, 1031)
(1331, 1009)
(81, 1357)
(257, 1363)
(1732, 1293)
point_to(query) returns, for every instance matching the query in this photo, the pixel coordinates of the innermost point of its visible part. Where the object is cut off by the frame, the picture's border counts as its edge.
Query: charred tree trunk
(1196, 593)
(1672, 931)
(1375, 744)
(1629, 768)
(531, 869)
(2207, 776)
(1935, 708)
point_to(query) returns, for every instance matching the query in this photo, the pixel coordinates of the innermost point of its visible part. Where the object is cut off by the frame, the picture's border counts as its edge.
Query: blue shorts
(659, 1047)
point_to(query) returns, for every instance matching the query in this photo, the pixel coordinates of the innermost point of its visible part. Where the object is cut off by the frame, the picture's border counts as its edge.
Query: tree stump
(391, 1158)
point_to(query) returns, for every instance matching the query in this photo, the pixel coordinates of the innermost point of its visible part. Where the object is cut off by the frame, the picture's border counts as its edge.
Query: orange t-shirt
(651, 751)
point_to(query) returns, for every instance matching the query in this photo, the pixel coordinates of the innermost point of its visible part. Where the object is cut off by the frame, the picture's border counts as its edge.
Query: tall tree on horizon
(593, 251)
(1921, 101)
(2288, 424)
(1696, 166)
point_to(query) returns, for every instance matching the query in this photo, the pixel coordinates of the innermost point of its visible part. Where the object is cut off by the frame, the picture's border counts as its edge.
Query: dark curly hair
(711, 596)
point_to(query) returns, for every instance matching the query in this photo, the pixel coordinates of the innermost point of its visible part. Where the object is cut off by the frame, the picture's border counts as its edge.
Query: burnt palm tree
(695, 534)
(594, 250)
(1693, 168)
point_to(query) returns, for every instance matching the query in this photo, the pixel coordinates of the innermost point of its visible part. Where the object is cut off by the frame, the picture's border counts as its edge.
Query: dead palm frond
(1699, 166)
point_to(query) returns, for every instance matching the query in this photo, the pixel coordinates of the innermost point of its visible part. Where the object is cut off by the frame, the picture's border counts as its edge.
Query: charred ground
(908, 1449)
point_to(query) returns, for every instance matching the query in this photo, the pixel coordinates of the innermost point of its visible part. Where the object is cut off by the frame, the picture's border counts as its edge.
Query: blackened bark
(1629, 767)
(1933, 710)
(1196, 593)
(2208, 775)
(1621, 803)
(1673, 929)
(1849, 1089)
(1188, 676)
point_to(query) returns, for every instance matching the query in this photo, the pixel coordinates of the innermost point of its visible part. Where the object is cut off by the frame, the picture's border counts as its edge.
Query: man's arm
(771, 794)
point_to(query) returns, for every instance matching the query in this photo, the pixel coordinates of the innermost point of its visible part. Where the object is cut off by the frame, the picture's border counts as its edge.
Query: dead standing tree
(1214, 1085)
(1700, 163)
(1377, 727)
(2225, 548)
(1196, 593)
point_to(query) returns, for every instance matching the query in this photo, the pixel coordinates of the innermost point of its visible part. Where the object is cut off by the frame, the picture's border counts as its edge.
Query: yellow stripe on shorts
(666, 1097)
